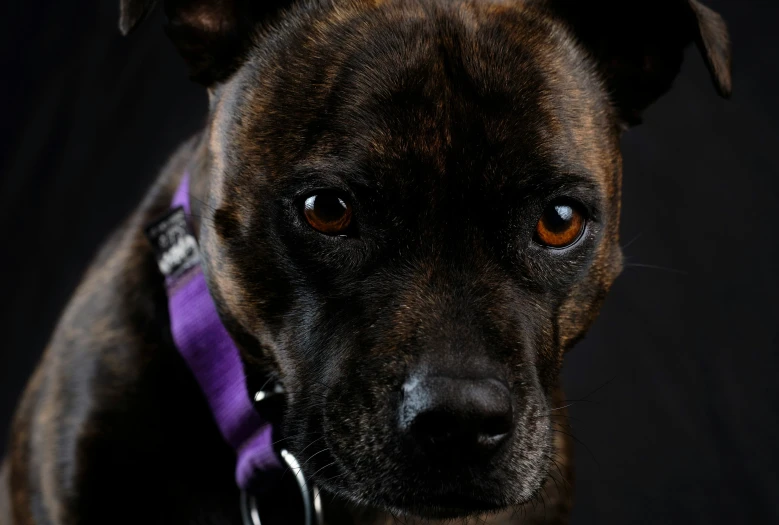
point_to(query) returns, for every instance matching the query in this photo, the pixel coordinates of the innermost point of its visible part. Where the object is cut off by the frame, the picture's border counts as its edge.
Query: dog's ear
(211, 35)
(638, 45)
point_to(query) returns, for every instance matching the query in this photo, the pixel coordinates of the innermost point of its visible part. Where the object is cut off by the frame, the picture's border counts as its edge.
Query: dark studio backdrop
(678, 379)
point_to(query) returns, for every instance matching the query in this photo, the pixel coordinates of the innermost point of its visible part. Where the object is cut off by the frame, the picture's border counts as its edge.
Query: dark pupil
(558, 218)
(329, 208)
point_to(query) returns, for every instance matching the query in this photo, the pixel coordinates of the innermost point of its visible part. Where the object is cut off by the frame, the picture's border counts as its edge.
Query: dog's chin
(450, 494)
(446, 507)
(429, 504)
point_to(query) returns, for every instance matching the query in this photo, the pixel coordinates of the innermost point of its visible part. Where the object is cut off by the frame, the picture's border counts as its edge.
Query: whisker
(631, 241)
(299, 434)
(566, 416)
(571, 402)
(313, 455)
(655, 267)
(559, 470)
(317, 439)
(201, 201)
(321, 469)
(604, 385)
(580, 442)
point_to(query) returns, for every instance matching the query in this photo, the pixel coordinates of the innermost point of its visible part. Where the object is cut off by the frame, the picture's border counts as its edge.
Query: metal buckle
(312, 502)
(312, 507)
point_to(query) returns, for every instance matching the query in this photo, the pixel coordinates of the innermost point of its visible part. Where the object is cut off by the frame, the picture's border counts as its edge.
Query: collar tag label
(175, 247)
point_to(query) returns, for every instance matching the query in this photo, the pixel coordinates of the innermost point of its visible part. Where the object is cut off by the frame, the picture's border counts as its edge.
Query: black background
(679, 375)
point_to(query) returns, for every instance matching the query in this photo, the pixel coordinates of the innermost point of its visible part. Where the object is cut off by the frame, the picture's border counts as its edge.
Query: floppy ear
(638, 45)
(211, 35)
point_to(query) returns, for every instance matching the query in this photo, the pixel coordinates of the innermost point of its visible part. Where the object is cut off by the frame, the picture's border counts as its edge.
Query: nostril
(496, 425)
(446, 415)
(434, 427)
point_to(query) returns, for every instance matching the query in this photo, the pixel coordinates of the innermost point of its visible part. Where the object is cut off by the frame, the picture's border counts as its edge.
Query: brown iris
(560, 225)
(328, 213)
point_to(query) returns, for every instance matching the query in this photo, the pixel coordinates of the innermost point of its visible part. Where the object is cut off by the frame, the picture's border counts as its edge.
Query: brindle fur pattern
(450, 125)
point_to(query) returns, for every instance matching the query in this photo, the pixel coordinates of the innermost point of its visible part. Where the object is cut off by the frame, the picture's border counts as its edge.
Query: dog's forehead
(484, 89)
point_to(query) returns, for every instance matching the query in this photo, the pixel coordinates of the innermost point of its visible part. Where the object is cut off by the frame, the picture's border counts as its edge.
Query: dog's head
(410, 212)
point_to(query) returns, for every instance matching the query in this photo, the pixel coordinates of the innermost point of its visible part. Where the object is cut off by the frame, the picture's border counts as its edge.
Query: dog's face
(410, 213)
(409, 221)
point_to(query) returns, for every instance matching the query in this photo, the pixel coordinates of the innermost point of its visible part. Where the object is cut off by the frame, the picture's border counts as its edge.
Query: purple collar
(208, 349)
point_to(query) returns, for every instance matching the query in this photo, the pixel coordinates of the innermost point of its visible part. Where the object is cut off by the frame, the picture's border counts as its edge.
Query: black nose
(445, 415)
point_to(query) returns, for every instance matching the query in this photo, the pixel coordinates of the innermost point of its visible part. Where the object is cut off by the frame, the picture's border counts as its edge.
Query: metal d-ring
(262, 395)
(311, 509)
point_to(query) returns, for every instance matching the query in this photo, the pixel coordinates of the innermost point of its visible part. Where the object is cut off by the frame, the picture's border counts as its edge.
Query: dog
(407, 212)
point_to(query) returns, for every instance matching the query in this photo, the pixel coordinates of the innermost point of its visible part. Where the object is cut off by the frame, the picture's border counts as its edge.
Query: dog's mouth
(448, 497)
(434, 501)
(406, 483)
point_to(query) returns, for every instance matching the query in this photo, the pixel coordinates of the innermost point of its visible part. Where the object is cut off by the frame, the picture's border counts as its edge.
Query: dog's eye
(328, 213)
(561, 224)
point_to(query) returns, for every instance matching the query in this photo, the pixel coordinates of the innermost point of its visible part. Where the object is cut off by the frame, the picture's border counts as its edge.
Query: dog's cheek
(535, 383)
(360, 422)
(529, 462)
(582, 305)
(580, 309)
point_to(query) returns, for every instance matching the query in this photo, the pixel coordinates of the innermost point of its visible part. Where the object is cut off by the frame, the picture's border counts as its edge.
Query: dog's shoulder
(112, 397)
(5, 500)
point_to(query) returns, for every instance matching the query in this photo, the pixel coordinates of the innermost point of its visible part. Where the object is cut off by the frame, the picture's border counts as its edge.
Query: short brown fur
(451, 125)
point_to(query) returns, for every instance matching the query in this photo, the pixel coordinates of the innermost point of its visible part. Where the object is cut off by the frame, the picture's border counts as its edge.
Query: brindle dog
(408, 212)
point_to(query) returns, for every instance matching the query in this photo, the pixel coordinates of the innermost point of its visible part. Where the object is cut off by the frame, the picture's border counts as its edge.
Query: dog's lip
(425, 504)
(430, 503)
